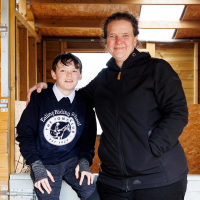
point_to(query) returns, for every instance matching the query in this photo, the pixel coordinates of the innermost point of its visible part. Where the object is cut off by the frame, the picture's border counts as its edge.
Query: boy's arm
(27, 130)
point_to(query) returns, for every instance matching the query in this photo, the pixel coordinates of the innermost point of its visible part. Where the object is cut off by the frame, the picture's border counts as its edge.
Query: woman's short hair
(120, 16)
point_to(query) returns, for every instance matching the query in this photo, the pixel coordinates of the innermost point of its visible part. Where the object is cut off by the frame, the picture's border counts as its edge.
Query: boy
(57, 133)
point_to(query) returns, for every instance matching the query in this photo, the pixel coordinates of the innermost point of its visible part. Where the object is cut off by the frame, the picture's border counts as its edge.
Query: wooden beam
(11, 105)
(152, 49)
(63, 23)
(44, 61)
(17, 69)
(22, 23)
(23, 41)
(195, 73)
(133, 2)
(32, 61)
(22, 8)
(30, 17)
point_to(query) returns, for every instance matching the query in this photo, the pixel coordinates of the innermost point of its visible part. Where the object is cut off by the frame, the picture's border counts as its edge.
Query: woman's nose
(118, 40)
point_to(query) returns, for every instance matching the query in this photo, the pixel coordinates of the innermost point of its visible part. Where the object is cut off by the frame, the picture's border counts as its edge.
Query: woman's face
(120, 40)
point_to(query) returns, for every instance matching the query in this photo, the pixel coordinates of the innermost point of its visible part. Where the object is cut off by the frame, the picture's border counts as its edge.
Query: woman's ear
(53, 74)
(135, 41)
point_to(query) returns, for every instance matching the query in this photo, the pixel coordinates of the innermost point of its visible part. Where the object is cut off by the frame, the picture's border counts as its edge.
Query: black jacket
(141, 115)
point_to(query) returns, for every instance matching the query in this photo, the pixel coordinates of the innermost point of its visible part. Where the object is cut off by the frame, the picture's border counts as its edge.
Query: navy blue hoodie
(53, 131)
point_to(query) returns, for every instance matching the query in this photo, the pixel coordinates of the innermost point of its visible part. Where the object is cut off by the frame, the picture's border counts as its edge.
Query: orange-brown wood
(3, 141)
(192, 13)
(4, 120)
(17, 68)
(4, 166)
(44, 61)
(39, 62)
(23, 41)
(22, 8)
(32, 61)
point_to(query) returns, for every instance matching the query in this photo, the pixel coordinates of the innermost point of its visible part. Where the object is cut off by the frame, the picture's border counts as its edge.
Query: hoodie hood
(134, 57)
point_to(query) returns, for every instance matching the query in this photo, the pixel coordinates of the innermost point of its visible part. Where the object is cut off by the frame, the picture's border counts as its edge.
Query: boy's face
(66, 77)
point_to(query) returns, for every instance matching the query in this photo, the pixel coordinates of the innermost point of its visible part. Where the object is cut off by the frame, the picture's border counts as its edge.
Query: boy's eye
(62, 70)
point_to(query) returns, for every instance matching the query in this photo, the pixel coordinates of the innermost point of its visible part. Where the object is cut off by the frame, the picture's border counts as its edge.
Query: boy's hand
(38, 87)
(45, 183)
(89, 176)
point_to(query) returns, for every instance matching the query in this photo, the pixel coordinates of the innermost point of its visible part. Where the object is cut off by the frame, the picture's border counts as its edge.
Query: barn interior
(38, 30)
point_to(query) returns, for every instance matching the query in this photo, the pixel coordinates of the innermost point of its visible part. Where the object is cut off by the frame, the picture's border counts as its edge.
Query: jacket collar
(134, 57)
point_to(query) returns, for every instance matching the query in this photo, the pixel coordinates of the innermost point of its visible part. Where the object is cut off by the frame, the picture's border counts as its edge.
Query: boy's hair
(65, 59)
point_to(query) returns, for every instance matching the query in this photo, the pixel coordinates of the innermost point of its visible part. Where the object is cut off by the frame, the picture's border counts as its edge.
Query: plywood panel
(3, 141)
(188, 34)
(89, 11)
(65, 32)
(192, 13)
(190, 139)
(175, 57)
(84, 45)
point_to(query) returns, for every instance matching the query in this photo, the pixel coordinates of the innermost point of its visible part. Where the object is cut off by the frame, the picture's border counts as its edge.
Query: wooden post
(152, 49)
(11, 146)
(62, 47)
(32, 61)
(23, 41)
(44, 61)
(195, 73)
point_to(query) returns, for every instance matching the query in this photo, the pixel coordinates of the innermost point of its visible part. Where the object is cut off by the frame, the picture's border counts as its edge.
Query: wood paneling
(39, 62)
(181, 57)
(3, 141)
(32, 61)
(4, 166)
(23, 52)
(4, 120)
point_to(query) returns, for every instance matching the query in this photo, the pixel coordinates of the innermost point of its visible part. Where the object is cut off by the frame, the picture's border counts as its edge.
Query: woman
(142, 110)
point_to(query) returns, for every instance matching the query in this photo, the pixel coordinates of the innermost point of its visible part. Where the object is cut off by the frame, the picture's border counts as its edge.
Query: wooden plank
(187, 84)
(32, 61)
(151, 47)
(44, 61)
(176, 57)
(185, 74)
(22, 8)
(64, 23)
(17, 69)
(39, 62)
(51, 55)
(30, 14)
(23, 41)
(21, 22)
(3, 141)
(182, 66)
(85, 50)
(176, 50)
(62, 47)
(195, 73)
(4, 120)
(11, 105)
(135, 2)
(4, 166)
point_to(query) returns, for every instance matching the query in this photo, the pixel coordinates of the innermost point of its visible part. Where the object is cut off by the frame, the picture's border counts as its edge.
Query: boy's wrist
(39, 170)
(84, 165)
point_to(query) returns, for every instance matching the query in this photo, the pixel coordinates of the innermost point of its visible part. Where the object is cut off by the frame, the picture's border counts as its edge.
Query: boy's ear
(53, 74)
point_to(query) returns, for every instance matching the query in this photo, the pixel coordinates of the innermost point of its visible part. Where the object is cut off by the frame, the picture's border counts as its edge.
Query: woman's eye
(74, 70)
(112, 36)
(125, 35)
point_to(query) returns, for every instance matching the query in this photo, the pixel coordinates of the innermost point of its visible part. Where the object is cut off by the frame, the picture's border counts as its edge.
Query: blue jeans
(64, 171)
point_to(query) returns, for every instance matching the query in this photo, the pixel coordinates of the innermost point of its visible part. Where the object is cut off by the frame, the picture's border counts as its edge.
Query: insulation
(192, 13)
(188, 34)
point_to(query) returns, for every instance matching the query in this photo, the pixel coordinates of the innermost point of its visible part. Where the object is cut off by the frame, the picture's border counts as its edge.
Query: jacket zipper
(118, 128)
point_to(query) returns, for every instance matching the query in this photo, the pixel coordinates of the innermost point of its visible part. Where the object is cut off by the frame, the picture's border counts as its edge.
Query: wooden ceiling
(83, 18)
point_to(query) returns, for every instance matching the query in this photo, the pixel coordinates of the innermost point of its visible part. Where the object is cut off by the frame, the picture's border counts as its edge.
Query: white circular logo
(60, 130)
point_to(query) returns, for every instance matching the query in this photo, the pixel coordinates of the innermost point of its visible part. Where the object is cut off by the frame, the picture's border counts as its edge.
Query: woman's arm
(172, 103)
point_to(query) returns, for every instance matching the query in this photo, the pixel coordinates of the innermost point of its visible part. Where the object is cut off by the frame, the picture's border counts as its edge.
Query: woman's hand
(89, 176)
(45, 184)
(38, 87)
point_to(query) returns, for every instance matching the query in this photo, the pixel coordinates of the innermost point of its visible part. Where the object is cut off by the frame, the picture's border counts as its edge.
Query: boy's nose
(69, 73)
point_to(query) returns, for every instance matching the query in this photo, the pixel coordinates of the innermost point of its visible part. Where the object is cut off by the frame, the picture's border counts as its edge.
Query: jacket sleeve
(172, 103)
(89, 90)
(88, 137)
(27, 130)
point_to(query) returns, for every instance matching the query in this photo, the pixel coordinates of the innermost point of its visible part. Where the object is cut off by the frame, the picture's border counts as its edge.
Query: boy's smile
(66, 77)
